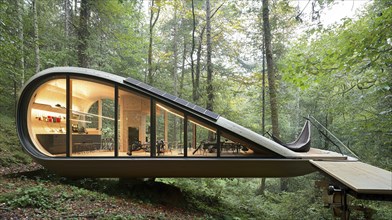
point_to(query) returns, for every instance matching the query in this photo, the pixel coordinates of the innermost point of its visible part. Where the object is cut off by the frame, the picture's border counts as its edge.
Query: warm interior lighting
(48, 108)
(202, 126)
(40, 113)
(55, 107)
(182, 117)
(78, 120)
(160, 106)
(91, 115)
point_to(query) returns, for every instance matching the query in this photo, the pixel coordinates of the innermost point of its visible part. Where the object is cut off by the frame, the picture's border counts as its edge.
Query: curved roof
(273, 155)
(262, 143)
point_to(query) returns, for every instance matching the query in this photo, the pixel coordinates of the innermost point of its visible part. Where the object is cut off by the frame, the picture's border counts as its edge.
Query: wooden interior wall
(133, 113)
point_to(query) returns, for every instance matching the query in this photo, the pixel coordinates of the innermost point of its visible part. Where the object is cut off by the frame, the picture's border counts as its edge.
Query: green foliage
(343, 73)
(43, 196)
(116, 41)
(10, 150)
(237, 199)
(33, 197)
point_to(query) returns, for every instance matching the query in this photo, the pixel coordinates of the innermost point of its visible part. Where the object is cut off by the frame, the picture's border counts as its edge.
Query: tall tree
(67, 22)
(184, 55)
(271, 79)
(36, 37)
(196, 68)
(175, 61)
(83, 33)
(270, 70)
(195, 84)
(150, 78)
(175, 51)
(263, 180)
(67, 16)
(344, 70)
(210, 91)
(21, 39)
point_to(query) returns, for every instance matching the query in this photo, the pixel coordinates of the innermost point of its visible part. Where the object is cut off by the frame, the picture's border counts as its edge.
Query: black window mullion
(153, 131)
(218, 153)
(115, 120)
(68, 117)
(185, 135)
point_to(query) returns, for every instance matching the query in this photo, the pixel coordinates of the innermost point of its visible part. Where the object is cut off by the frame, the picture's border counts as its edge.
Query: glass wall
(202, 139)
(233, 147)
(92, 119)
(92, 124)
(47, 114)
(169, 131)
(134, 124)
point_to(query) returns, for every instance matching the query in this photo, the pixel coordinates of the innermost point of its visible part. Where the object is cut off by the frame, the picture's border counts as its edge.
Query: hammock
(302, 144)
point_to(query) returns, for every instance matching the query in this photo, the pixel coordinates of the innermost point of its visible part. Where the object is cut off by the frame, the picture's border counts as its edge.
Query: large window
(202, 139)
(47, 117)
(233, 147)
(92, 118)
(169, 131)
(145, 126)
(134, 124)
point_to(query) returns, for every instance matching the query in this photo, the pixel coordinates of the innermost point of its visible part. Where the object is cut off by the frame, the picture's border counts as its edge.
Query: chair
(161, 147)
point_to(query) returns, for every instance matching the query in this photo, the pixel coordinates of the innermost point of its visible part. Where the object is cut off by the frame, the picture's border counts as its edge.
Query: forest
(264, 64)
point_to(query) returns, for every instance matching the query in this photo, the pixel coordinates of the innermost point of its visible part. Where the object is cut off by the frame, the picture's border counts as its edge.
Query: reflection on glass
(169, 131)
(92, 119)
(202, 139)
(134, 125)
(47, 112)
(92, 124)
(232, 148)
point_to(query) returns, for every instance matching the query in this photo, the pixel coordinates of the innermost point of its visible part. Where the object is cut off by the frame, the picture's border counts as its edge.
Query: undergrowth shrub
(10, 149)
(42, 196)
(32, 197)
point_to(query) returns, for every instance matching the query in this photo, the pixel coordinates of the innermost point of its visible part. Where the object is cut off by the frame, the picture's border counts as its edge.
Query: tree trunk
(210, 89)
(271, 80)
(271, 71)
(175, 52)
(261, 190)
(262, 183)
(149, 59)
(21, 39)
(15, 96)
(194, 87)
(66, 18)
(75, 7)
(183, 68)
(175, 60)
(67, 15)
(36, 45)
(196, 73)
(150, 76)
(83, 33)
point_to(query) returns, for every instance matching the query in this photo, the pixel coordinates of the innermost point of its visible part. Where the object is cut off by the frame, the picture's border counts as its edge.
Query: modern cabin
(84, 122)
(81, 122)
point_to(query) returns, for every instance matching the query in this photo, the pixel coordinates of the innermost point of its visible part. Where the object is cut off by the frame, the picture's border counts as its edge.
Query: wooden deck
(360, 177)
(318, 154)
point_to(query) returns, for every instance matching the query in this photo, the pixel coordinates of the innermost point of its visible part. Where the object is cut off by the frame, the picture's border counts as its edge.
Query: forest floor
(28, 191)
(31, 192)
